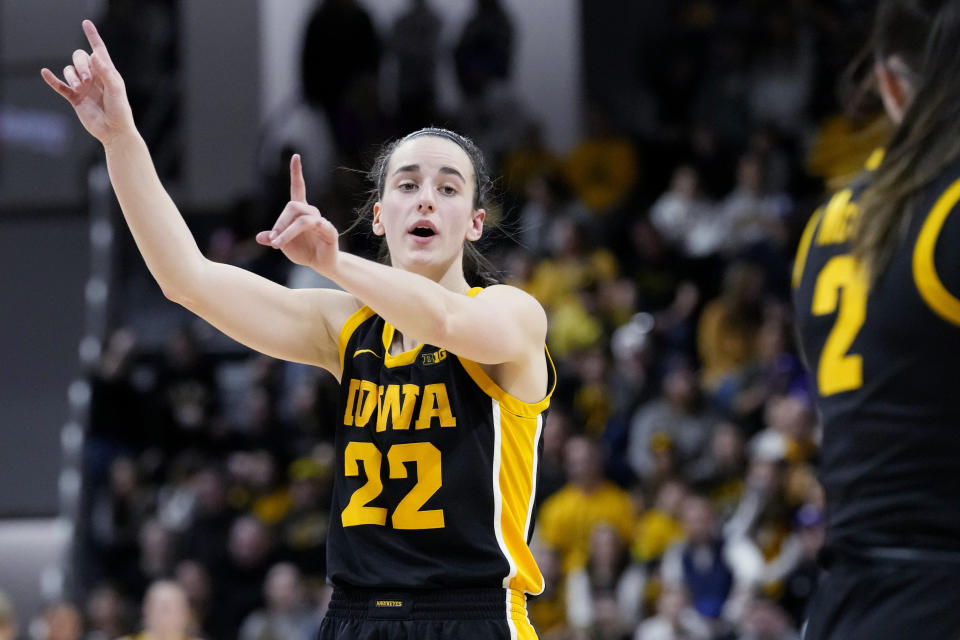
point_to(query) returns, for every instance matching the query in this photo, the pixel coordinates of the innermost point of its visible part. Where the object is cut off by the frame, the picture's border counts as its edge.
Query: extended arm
(297, 325)
(502, 324)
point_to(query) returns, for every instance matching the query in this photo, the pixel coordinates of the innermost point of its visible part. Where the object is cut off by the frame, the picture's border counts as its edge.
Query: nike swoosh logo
(370, 351)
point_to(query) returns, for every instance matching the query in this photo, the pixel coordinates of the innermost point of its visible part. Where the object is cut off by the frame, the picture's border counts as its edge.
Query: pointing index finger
(96, 42)
(298, 190)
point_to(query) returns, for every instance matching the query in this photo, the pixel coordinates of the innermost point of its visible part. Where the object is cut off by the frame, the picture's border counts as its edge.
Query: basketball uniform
(884, 357)
(433, 497)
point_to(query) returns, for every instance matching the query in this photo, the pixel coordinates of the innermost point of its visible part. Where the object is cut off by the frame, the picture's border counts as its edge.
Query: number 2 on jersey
(408, 514)
(841, 287)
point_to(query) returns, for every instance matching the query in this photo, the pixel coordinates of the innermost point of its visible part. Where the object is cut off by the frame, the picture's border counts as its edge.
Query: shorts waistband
(421, 604)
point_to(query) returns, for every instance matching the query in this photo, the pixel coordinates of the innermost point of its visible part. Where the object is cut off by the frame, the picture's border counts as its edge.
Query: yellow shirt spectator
(568, 517)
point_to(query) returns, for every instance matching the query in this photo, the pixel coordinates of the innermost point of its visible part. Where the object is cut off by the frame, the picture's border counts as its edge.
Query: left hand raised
(301, 232)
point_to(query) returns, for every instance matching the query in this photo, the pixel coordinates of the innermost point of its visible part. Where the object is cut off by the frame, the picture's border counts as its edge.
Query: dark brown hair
(477, 269)
(924, 34)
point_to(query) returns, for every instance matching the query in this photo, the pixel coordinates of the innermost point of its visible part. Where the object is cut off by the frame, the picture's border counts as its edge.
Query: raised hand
(93, 86)
(301, 232)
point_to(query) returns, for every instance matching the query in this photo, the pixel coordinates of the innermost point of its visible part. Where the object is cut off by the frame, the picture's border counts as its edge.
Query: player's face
(426, 208)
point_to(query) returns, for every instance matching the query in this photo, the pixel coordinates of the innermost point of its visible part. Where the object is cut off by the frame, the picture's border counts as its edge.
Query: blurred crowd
(678, 496)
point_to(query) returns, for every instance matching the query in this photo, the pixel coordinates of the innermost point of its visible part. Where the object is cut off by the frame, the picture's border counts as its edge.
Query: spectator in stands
(341, 50)
(156, 544)
(607, 573)
(240, 582)
(106, 614)
(727, 331)
(566, 283)
(547, 202)
(685, 218)
(719, 574)
(287, 615)
(675, 619)
(660, 527)
(774, 370)
(568, 517)
(8, 619)
(186, 391)
(166, 613)
(60, 621)
(782, 71)
(210, 521)
(592, 403)
(751, 215)
(118, 416)
(484, 52)
(118, 512)
(677, 416)
(530, 159)
(603, 168)
(147, 33)
(209, 619)
(414, 43)
(720, 472)
(302, 534)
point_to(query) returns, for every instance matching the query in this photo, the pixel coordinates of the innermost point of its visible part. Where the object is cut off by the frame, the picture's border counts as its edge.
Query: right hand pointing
(95, 89)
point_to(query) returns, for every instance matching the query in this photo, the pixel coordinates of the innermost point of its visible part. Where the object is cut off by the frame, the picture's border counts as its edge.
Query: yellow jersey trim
(804, 247)
(492, 389)
(519, 444)
(510, 403)
(401, 359)
(357, 318)
(931, 289)
(409, 356)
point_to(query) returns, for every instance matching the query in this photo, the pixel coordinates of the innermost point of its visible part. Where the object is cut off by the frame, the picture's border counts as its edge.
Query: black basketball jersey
(884, 357)
(437, 469)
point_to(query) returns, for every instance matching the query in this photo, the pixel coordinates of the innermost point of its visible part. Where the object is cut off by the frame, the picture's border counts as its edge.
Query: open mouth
(423, 232)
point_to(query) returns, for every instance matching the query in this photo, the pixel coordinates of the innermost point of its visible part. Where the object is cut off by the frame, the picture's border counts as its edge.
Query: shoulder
(516, 302)
(508, 294)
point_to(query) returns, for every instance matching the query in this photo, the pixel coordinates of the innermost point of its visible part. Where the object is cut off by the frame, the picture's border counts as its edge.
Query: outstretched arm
(501, 325)
(301, 325)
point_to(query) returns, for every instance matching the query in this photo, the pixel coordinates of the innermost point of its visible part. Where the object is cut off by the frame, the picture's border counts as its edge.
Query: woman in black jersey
(877, 294)
(444, 386)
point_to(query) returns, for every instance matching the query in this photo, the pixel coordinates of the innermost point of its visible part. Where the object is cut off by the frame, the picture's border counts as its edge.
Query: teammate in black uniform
(444, 386)
(877, 293)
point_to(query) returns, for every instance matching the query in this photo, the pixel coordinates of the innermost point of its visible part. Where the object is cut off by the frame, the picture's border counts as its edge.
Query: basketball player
(877, 293)
(443, 386)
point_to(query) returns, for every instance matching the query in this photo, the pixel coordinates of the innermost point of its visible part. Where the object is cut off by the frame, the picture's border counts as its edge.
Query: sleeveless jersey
(437, 469)
(883, 357)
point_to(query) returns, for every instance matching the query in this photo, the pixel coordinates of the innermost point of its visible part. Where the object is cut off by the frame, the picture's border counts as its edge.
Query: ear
(476, 225)
(895, 89)
(377, 225)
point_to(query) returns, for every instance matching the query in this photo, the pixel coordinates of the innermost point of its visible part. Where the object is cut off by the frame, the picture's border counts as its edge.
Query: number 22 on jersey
(408, 514)
(841, 288)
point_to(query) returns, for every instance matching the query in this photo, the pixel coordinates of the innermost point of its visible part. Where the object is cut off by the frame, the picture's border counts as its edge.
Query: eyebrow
(413, 168)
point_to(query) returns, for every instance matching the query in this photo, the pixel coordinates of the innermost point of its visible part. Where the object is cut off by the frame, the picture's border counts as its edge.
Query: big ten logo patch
(433, 358)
